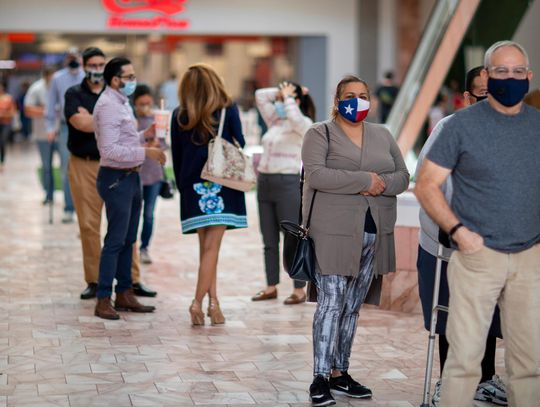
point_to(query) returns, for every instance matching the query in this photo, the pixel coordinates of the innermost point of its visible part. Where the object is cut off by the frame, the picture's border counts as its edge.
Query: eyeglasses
(128, 77)
(503, 72)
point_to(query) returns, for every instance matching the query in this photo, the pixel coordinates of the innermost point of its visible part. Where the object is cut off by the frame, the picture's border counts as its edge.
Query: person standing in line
(491, 149)
(151, 171)
(34, 106)
(386, 95)
(205, 207)
(119, 185)
(26, 122)
(288, 111)
(83, 167)
(72, 74)
(356, 170)
(8, 109)
(491, 387)
(169, 92)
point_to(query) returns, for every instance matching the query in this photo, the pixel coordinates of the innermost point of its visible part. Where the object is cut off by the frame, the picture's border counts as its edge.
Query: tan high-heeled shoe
(214, 312)
(197, 314)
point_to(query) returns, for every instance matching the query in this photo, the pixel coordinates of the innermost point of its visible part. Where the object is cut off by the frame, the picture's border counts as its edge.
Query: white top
(37, 96)
(282, 142)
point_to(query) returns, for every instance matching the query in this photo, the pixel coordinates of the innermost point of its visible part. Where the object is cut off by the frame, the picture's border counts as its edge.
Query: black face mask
(478, 98)
(73, 64)
(508, 92)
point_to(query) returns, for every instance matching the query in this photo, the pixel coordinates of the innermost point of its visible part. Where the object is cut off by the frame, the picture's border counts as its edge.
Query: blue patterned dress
(204, 203)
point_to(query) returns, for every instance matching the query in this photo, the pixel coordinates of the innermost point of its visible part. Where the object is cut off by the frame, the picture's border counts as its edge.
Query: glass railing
(431, 39)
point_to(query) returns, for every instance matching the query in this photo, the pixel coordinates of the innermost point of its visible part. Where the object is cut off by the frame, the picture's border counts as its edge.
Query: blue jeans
(150, 194)
(121, 193)
(64, 158)
(46, 151)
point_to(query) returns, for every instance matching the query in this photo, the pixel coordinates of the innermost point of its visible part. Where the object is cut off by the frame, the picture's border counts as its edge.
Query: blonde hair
(201, 93)
(339, 91)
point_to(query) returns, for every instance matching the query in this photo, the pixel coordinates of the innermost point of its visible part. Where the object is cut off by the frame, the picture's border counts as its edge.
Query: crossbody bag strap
(315, 192)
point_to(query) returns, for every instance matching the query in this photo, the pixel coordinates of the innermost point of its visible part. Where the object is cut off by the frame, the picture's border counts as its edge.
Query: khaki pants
(477, 282)
(88, 205)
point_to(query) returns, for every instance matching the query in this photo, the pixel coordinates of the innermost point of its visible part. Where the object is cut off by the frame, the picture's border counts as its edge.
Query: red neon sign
(168, 8)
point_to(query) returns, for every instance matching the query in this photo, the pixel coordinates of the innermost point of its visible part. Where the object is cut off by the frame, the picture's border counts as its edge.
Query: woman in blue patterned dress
(205, 207)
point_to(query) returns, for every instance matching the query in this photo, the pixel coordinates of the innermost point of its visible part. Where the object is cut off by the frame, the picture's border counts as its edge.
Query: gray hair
(504, 44)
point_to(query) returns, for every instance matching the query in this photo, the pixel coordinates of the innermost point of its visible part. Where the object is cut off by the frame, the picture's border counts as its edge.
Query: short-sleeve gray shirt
(494, 160)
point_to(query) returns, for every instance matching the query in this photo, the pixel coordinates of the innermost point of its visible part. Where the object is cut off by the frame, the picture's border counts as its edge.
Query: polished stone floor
(54, 352)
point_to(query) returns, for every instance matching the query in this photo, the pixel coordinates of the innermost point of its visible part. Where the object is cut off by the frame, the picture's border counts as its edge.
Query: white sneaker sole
(344, 393)
(322, 403)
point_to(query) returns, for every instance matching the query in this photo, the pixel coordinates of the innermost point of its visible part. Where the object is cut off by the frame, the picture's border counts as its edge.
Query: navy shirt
(188, 156)
(496, 178)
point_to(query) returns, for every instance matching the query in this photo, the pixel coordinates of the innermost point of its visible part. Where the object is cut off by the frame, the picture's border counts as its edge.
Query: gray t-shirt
(37, 96)
(428, 236)
(496, 178)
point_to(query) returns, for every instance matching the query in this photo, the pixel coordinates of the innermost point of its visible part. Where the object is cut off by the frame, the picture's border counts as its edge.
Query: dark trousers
(121, 193)
(279, 199)
(149, 194)
(5, 129)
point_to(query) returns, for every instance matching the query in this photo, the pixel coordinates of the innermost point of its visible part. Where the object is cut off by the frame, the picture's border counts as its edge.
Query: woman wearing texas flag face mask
(357, 170)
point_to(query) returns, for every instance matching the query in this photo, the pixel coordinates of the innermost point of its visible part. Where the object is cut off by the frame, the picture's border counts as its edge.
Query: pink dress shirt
(115, 127)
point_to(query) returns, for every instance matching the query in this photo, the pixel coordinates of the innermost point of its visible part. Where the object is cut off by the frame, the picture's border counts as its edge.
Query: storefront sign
(163, 11)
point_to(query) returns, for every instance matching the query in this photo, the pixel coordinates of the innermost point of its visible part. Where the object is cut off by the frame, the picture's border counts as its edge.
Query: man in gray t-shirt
(492, 151)
(35, 103)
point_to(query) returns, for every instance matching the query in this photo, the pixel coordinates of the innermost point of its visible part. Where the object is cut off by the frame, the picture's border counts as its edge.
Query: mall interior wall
(335, 21)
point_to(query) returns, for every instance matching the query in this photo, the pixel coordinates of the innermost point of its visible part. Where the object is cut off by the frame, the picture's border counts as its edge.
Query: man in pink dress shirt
(119, 186)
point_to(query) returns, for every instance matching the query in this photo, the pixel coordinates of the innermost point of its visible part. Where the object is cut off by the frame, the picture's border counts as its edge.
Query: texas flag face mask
(354, 110)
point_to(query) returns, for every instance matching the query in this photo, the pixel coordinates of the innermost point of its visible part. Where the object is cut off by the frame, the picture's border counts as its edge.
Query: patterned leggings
(338, 301)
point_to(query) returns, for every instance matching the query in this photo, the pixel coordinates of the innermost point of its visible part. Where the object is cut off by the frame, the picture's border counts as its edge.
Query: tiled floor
(54, 352)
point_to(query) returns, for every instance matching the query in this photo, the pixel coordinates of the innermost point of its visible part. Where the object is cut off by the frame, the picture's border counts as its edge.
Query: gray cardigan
(339, 170)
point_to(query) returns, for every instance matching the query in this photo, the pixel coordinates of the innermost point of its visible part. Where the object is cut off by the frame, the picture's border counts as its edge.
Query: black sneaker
(346, 385)
(319, 392)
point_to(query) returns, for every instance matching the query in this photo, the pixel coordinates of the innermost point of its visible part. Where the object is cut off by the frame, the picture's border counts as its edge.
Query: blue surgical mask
(508, 92)
(128, 88)
(280, 109)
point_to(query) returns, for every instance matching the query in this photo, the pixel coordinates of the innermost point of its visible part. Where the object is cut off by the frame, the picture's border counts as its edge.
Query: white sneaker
(145, 257)
(68, 217)
(492, 391)
(436, 395)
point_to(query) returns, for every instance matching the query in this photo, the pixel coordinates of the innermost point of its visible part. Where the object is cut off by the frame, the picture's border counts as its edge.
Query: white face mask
(94, 76)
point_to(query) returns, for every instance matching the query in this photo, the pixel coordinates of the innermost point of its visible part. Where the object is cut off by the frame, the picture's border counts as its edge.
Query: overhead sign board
(156, 14)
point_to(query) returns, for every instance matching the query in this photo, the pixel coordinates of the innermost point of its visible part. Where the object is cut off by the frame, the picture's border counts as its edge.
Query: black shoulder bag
(166, 190)
(303, 265)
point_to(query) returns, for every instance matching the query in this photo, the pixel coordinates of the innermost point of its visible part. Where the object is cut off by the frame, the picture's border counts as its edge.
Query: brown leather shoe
(105, 310)
(294, 299)
(126, 301)
(262, 296)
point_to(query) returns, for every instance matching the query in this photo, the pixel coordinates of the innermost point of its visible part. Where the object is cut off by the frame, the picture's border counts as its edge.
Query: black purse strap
(315, 192)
